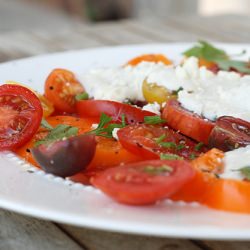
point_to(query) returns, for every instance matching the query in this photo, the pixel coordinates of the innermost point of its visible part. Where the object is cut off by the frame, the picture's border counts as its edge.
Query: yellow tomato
(47, 106)
(154, 93)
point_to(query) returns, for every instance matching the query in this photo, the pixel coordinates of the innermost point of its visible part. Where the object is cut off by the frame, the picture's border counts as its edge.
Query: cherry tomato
(188, 123)
(20, 116)
(144, 182)
(83, 125)
(150, 58)
(66, 157)
(150, 141)
(94, 109)
(48, 107)
(61, 87)
(154, 93)
(230, 133)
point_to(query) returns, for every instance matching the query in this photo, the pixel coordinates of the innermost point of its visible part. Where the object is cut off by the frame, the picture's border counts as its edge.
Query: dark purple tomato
(230, 133)
(66, 157)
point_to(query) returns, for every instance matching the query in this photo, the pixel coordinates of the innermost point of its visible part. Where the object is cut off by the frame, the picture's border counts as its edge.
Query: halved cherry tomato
(150, 58)
(83, 125)
(188, 123)
(145, 140)
(61, 87)
(144, 182)
(230, 133)
(94, 109)
(20, 116)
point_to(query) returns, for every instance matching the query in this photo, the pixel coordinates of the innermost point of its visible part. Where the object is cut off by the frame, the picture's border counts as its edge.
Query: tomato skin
(94, 109)
(20, 116)
(186, 122)
(131, 184)
(141, 139)
(48, 107)
(156, 58)
(61, 87)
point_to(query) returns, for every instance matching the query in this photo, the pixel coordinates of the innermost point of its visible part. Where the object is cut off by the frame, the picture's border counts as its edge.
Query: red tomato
(150, 141)
(20, 116)
(144, 182)
(61, 87)
(150, 58)
(188, 123)
(94, 109)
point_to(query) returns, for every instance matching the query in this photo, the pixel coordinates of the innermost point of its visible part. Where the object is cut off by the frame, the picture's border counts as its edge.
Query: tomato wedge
(150, 141)
(61, 87)
(144, 183)
(188, 123)
(20, 116)
(150, 58)
(94, 109)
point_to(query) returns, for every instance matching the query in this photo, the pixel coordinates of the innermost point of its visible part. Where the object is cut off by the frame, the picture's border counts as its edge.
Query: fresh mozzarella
(235, 160)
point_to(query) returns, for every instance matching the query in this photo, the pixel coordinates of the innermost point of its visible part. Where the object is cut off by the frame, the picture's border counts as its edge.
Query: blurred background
(27, 14)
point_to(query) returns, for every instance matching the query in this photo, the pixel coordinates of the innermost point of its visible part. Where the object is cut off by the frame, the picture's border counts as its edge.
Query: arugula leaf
(58, 133)
(170, 157)
(245, 171)
(152, 120)
(104, 129)
(82, 96)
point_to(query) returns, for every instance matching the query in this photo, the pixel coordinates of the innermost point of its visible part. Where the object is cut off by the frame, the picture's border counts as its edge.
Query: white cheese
(235, 160)
(153, 107)
(114, 133)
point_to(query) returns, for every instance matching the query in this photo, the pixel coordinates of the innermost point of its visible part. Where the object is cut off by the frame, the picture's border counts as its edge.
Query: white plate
(52, 198)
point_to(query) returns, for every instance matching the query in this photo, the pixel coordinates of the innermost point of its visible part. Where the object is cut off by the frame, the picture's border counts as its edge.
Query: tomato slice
(48, 107)
(20, 116)
(188, 123)
(150, 141)
(150, 58)
(83, 125)
(144, 182)
(61, 87)
(94, 109)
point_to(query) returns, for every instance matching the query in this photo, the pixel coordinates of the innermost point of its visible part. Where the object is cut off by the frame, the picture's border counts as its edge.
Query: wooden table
(24, 233)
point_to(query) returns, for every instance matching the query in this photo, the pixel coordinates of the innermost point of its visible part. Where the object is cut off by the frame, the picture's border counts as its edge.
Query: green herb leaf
(168, 144)
(180, 146)
(243, 67)
(82, 96)
(153, 120)
(105, 129)
(58, 133)
(160, 139)
(192, 156)
(245, 171)
(157, 170)
(198, 146)
(176, 92)
(46, 125)
(170, 157)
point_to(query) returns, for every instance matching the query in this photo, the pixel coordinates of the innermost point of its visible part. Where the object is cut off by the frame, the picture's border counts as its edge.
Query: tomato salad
(141, 146)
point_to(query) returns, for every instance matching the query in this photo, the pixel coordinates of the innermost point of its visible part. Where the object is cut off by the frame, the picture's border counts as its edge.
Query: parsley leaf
(168, 144)
(157, 170)
(105, 129)
(46, 125)
(160, 138)
(170, 157)
(152, 120)
(58, 133)
(198, 146)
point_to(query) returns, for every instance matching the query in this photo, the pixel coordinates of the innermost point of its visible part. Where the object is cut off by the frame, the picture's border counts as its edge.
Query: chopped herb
(82, 96)
(46, 125)
(157, 170)
(58, 133)
(180, 146)
(128, 101)
(153, 120)
(212, 54)
(105, 129)
(176, 92)
(170, 157)
(245, 171)
(168, 144)
(160, 139)
(192, 156)
(198, 146)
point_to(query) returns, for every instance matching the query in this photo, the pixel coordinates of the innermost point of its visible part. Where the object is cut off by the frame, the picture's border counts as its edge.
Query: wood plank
(101, 240)
(24, 233)
(224, 245)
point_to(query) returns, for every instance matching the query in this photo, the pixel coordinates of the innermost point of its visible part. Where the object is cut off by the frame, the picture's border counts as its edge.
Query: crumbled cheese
(114, 133)
(153, 107)
(94, 126)
(235, 160)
